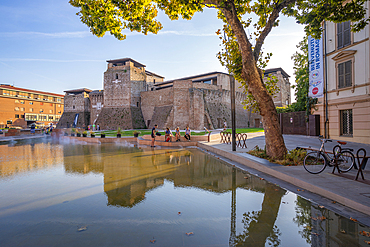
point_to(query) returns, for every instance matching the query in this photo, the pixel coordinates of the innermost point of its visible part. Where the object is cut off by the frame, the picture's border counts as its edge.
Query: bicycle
(316, 161)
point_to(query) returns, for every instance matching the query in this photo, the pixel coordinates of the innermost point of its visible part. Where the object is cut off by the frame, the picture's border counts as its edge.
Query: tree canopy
(114, 16)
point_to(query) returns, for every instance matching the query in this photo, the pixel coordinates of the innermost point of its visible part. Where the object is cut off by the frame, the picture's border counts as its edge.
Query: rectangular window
(22, 108)
(22, 95)
(22, 116)
(343, 34)
(31, 109)
(345, 74)
(50, 111)
(346, 122)
(31, 103)
(16, 101)
(16, 115)
(16, 108)
(31, 117)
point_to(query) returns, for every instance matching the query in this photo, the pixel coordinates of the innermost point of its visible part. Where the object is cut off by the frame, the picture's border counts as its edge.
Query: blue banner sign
(316, 68)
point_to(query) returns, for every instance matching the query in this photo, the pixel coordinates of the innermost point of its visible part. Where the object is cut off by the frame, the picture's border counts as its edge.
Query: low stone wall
(143, 139)
(18, 132)
(98, 139)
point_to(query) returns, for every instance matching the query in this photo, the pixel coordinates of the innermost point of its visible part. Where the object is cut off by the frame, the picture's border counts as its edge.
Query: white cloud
(47, 60)
(186, 33)
(80, 34)
(169, 32)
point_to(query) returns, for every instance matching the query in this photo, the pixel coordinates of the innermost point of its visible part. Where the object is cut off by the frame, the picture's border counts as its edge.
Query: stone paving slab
(345, 191)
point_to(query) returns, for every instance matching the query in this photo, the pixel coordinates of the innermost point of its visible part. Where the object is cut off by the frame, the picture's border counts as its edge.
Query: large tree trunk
(275, 146)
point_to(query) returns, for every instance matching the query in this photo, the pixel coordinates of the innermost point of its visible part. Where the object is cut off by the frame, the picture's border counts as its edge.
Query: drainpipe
(326, 125)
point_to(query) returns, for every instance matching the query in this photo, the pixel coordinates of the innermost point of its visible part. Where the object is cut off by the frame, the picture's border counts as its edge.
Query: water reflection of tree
(259, 226)
(303, 218)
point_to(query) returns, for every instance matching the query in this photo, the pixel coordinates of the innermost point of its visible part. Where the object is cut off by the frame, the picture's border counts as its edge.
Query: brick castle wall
(190, 104)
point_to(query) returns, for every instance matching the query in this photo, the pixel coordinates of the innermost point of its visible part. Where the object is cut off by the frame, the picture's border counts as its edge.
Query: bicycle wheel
(314, 162)
(345, 161)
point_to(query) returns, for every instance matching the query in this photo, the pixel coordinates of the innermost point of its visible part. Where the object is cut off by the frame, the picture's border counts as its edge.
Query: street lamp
(232, 99)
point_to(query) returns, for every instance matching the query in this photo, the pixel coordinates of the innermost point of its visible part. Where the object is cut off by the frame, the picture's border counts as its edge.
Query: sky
(44, 46)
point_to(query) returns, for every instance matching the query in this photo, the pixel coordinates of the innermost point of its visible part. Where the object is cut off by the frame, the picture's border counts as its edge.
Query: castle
(135, 98)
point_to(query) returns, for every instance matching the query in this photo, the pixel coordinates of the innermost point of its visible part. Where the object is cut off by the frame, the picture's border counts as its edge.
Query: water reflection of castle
(128, 176)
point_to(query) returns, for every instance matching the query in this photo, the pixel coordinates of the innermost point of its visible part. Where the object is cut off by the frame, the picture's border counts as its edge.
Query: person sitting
(167, 136)
(178, 134)
(187, 133)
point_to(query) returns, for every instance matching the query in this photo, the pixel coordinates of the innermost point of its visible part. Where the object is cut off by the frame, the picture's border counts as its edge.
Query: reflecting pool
(66, 194)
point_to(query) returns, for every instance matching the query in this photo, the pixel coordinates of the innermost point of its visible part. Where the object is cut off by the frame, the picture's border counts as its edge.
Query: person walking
(154, 131)
(33, 126)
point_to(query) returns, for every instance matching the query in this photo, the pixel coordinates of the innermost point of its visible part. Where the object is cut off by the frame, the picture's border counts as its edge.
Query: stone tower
(124, 80)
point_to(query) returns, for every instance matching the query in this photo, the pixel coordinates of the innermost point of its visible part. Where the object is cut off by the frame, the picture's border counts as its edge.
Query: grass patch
(113, 133)
(292, 158)
(247, 130)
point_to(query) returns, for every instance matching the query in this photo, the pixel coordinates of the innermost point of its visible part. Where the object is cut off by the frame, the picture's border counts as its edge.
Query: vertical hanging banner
(316, 68)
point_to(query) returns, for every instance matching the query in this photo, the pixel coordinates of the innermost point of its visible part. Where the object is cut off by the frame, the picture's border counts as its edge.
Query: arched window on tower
(116, 76)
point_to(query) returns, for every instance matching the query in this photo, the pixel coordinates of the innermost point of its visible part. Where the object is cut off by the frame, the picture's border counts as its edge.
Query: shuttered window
(343, 34)
(345, 74)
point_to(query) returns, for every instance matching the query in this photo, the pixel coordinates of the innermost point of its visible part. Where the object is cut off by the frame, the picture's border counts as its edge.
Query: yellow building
(21, 107)
(345, 112)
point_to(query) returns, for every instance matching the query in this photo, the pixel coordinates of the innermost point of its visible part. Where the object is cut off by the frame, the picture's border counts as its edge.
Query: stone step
(142, 141)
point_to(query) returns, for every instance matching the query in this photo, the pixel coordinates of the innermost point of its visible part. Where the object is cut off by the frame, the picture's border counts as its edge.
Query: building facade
(21, 107)
(281, 98)
(135, 98)
(345, 113)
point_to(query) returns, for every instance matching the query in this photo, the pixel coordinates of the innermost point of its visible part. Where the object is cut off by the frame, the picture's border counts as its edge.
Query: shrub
(292, 158)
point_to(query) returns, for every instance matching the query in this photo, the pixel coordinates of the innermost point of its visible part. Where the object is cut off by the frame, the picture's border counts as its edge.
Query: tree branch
(274, 15)
(245, 47)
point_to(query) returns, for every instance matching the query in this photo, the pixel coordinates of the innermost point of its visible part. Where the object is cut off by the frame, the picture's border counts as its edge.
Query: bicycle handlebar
(321, 138)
